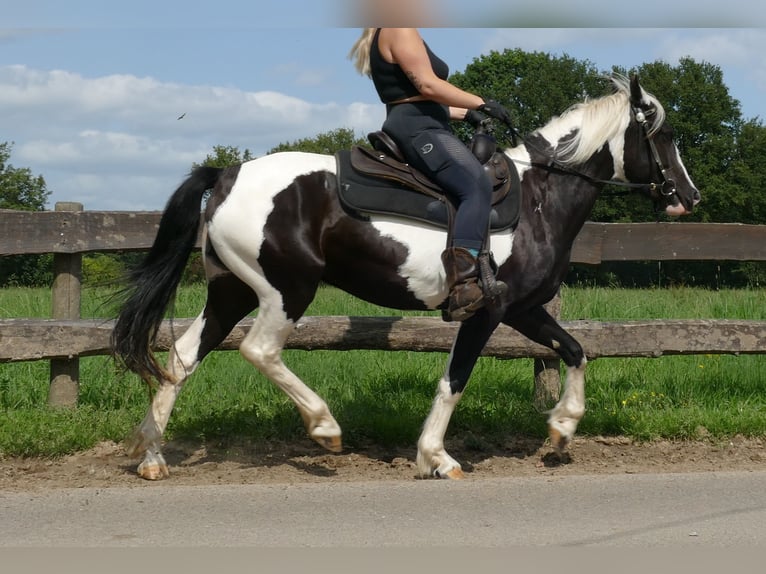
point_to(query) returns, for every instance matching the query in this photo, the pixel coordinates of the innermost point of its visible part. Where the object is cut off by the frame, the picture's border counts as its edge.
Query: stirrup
(491, 287)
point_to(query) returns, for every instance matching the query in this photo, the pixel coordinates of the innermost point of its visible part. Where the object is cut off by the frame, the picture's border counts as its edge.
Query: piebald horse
(274, 229)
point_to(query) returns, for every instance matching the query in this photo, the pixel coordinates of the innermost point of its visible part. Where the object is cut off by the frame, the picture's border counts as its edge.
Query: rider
(412, 81)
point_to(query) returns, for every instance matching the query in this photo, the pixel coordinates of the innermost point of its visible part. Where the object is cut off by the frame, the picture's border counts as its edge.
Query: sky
(91, 93)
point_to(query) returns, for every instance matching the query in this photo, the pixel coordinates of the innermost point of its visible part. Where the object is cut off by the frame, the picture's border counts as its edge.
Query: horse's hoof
(153, 471)
(331, 443)
(454, 474)
(559, 440)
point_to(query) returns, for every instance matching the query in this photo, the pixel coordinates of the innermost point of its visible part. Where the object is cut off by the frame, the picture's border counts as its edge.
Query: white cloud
(115, 142)
(738, 48)
(605, 13)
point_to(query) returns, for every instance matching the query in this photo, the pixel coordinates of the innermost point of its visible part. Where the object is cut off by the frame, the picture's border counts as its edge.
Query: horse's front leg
(539, 326)
(432, 457)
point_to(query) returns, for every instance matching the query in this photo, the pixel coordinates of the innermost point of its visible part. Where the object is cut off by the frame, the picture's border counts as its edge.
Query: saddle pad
(373, 195)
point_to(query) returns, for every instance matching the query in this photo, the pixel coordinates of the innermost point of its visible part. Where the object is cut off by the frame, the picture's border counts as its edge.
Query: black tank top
(390, 81)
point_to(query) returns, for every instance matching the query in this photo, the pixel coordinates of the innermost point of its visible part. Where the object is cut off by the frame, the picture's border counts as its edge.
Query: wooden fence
(68, 232)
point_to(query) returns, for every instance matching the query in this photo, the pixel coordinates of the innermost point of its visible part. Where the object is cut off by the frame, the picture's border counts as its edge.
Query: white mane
(595, 122)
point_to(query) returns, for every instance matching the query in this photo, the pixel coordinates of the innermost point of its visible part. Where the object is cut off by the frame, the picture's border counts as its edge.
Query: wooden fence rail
(88, 231)
(69, 232)
(24, 340)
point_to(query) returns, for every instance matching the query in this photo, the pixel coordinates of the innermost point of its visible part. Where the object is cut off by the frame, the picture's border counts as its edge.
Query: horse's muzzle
(677, 207)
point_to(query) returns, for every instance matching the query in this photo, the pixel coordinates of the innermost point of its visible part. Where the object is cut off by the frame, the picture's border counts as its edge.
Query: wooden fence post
(67, 277)
(547, 371)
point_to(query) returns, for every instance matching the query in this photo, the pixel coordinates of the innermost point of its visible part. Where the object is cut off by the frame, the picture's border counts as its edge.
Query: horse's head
(651, 155)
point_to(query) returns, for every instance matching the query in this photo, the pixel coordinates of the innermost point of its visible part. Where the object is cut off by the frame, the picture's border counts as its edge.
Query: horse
(274, 229)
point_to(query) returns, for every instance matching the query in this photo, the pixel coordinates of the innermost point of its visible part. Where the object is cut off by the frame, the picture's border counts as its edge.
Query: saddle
(379, 181)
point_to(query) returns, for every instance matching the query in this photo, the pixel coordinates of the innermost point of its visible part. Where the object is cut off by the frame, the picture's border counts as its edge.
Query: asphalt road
(710, 510)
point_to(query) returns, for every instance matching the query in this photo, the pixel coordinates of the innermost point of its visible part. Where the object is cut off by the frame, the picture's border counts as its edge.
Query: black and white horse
(274, 229)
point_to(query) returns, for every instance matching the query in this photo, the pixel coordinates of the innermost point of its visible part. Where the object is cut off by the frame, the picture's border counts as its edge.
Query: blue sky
(90, 93)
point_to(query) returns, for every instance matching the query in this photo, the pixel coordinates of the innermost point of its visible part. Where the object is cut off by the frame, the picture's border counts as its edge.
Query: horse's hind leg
(228, 301)
(263, 348)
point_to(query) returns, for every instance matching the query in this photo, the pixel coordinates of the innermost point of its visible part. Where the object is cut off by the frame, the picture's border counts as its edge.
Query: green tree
(747, 171)
(534, 86)
(224, 156)
(325, 143)
(21, 190)
(720, 151)
(707, 121)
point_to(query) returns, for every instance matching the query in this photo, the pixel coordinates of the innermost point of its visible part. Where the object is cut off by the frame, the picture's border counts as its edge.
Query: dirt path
(195, 464)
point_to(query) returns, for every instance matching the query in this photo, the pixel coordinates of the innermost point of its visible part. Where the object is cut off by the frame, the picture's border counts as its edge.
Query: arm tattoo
(415, 82)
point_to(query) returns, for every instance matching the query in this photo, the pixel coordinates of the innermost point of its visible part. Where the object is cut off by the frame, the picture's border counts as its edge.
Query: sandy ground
(106, 465)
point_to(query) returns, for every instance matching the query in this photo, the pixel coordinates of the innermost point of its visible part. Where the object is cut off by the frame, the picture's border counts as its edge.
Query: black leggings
(422, 132)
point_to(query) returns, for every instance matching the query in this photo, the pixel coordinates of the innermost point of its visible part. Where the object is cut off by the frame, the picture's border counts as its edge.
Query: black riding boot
(465, 293)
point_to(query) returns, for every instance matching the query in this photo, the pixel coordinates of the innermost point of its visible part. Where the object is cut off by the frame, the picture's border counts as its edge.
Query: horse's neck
(570, 194)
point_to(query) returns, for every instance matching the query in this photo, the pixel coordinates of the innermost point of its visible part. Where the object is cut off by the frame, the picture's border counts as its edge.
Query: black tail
(153, 283)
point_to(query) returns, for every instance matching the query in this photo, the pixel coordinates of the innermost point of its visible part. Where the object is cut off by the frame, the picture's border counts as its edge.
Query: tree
(747, 171)
(19, 189)
(224, 156)
(533, 86)
(706, 121)
(720, 151)
(325, 143)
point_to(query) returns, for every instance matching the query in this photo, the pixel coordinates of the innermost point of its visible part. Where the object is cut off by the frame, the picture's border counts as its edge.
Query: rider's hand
(495, 110)
(473, 117)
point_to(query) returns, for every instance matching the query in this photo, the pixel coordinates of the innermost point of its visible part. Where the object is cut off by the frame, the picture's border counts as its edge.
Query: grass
(383, 397)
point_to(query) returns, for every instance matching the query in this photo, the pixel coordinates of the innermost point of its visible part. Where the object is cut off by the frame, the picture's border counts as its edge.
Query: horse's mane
(598, 120)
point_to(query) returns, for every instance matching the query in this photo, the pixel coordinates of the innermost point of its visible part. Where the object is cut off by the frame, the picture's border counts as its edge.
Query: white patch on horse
(243, 215)
(423, 268)
(586, 127)
(183, 355)
(521, 158)
(559, 128)
(680, 163)
(617, 148)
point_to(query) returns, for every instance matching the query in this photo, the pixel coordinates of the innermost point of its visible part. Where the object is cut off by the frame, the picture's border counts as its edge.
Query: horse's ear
(636, 93)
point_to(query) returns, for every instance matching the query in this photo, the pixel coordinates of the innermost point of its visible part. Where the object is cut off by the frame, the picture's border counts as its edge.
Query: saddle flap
(378, 164)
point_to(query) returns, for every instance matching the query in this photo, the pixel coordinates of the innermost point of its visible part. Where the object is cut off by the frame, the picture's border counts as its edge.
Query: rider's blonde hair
(360, 52)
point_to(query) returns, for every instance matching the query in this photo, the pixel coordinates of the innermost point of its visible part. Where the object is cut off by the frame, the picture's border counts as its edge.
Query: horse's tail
(152, 285)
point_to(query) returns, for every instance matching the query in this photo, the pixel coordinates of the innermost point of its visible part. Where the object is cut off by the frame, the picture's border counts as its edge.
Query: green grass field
(383, 397)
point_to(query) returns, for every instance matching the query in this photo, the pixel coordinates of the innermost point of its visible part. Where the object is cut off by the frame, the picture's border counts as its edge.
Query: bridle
(667, 189)
(658, 191)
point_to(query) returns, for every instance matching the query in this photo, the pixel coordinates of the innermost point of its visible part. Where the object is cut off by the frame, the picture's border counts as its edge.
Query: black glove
(495, 110)
(474, 118)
